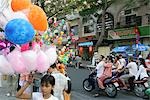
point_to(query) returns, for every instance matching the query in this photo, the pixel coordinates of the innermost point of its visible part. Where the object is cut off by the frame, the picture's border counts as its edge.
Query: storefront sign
(128, 33)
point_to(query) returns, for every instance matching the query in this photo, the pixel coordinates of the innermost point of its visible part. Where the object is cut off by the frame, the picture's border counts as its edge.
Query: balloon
(3, 4)
(59, 42)
(19, 31)
(52, 55)
(7, 15)
(42, 62)
(63, 21)
(30, 59)
(5, 66)
(20, 4)
(16, 60)
(37, 17)
(61, 33)
(60, 39)
(18, 15)
(24, 47)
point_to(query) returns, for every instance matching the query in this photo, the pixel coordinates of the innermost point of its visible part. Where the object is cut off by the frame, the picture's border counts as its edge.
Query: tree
(56, 7)
(97, 5)
(84, 7)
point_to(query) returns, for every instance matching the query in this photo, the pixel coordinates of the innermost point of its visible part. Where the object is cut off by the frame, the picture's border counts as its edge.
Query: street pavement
(78, 93)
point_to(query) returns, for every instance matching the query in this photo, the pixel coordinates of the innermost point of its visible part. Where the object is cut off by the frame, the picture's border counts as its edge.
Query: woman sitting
(106, 73)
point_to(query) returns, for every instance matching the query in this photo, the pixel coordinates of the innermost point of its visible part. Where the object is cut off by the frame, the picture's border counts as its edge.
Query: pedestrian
(60, 82)
(47, 85)
(78, 61)
(23, 80)
(61, 69)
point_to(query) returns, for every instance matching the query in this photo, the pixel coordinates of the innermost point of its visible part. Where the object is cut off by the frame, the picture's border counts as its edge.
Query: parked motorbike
(91, 83)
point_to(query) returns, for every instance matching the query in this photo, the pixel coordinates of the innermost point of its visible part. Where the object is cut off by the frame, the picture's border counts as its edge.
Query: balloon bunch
(57, 32)
(20, 18)
(27, 61)
(64, 55)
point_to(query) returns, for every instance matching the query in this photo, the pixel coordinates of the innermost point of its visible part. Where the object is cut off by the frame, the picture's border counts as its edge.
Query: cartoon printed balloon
(19, 31)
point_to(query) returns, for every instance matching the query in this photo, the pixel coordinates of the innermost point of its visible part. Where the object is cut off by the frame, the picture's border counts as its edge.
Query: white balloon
(51, 54)
(7, 14)
(3, 4)
(5, 66)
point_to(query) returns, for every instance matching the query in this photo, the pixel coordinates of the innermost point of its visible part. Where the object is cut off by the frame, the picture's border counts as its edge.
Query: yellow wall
(105, 50)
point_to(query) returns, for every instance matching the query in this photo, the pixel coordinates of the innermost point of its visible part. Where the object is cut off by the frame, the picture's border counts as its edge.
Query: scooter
(91, 83)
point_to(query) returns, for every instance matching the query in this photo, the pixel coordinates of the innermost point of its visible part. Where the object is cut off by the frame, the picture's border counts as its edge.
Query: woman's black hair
(142, 62)
(110, 58)
(48, 79)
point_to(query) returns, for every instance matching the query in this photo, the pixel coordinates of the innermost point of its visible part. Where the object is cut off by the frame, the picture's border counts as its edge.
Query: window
(89, 29)
(75, 29)
(133, 20)
(88, 23)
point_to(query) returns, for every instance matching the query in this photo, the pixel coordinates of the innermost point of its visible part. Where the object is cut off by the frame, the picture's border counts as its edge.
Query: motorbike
(138, 87)
(91, 83)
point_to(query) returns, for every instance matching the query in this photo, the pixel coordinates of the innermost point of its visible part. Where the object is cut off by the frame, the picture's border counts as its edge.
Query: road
(78, 93)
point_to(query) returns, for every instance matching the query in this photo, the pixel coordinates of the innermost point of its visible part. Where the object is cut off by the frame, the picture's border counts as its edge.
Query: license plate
(116, 84)
(146, 84)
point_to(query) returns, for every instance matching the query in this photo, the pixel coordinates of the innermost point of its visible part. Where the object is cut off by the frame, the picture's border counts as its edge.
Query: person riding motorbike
(133, 69)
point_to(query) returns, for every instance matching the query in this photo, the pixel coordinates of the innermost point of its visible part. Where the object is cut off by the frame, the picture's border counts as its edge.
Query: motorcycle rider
(133, 69)
(99, 70)
(142, 73)
(106, 73)
(100, 67)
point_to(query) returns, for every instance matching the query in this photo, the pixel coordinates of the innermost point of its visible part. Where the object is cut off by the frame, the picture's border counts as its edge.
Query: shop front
(130, 37)
(85, 47)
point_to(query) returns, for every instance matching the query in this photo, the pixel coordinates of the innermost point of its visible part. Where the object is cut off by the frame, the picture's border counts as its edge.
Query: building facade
(121, 20)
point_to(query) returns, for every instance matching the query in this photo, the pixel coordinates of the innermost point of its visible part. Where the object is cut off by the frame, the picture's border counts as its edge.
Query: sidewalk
(86, 64)
(4, 90)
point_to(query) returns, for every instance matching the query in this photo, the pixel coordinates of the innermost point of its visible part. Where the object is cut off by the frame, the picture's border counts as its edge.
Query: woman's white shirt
(39, 96)
(142, 73)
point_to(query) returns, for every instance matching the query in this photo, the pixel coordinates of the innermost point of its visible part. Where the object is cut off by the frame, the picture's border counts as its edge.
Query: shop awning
(120, 49)
(86, 44)
(140, 47)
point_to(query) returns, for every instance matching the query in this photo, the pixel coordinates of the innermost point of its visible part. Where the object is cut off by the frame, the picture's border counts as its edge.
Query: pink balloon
(42, 62)
(16, 60)
(24, 47)
(5, 66)
(51, 54)
(30, 59)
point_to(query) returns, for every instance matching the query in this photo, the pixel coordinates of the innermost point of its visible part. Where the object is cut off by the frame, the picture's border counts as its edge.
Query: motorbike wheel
(111, 90)
(139, 90)
(87, 86)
